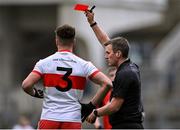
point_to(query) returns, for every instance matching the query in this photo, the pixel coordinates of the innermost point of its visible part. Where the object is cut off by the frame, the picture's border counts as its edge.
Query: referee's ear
(118, 54)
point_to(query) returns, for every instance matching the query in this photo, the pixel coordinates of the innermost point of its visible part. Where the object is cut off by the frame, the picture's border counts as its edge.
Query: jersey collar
(64, 51)
(124, 63)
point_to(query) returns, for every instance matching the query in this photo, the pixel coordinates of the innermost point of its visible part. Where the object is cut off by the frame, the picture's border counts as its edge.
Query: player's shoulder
(46, 59)
(79, 59)
(85, 64)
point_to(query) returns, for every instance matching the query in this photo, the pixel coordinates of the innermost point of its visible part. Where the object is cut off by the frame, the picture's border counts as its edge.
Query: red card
(81, 7)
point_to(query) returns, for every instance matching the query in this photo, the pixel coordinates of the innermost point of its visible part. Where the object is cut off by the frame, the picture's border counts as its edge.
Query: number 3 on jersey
(65, 78)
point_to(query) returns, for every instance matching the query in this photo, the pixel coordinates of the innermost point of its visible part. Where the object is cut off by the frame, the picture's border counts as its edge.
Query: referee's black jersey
(127, 85)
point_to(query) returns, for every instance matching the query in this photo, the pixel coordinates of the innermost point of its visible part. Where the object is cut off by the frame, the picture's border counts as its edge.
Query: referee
(125, 109)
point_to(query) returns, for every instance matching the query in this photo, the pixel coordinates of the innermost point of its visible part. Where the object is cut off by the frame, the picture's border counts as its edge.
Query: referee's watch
(95, 113)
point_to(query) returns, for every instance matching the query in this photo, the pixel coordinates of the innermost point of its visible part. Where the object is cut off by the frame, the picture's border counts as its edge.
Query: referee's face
(110, 56)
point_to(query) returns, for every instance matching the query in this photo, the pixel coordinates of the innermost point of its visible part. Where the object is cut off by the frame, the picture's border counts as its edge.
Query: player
(106, 124)
(64, 77)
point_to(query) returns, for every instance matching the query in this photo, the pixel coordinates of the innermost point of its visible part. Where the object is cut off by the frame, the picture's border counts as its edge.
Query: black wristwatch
(95, 113)
(93, 24)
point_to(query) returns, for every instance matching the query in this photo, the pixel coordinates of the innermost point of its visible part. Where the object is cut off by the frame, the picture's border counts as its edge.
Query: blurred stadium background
(152, 27)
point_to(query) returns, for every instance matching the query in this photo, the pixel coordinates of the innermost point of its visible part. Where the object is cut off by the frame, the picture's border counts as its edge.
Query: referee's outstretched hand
(86, 110)
(90, 16)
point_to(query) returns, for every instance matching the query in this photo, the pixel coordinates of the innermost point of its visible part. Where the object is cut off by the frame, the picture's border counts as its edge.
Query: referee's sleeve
(121, 85)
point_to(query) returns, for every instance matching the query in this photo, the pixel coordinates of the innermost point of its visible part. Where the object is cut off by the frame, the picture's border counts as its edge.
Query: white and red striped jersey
(64, 77)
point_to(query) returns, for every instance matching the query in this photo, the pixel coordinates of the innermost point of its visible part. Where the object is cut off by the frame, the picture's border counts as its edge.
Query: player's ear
(74, 44)
(56, 40)
(74, 40)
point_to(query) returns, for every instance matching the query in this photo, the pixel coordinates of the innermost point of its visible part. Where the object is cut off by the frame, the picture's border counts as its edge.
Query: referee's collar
(64, 51)
(124, 63)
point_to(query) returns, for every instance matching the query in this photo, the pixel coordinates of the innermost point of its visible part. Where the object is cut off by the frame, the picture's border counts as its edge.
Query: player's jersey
(106, 123)
(64, 77)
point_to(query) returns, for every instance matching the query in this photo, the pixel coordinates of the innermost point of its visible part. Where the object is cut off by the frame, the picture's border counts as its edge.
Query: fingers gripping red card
(81, 7)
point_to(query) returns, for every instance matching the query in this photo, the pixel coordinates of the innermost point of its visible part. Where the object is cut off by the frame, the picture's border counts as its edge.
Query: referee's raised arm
(99, 32)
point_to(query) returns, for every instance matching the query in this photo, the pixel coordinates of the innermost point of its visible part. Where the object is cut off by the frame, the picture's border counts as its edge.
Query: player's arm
(28, 84)
(100, 34)
(105, 83)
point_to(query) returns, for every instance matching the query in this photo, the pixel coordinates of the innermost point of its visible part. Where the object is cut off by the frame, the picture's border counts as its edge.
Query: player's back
(64, 78)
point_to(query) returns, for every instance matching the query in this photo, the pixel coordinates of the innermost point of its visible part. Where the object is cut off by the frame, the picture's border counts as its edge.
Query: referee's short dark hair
(65, 33)
(119, 44)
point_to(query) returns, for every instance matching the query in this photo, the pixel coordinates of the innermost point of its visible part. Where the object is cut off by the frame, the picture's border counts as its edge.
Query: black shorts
(128, 126)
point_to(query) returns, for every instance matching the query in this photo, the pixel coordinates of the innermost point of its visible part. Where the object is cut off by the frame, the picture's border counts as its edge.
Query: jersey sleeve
(38, 68)
(121, 85)
(90, 70)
